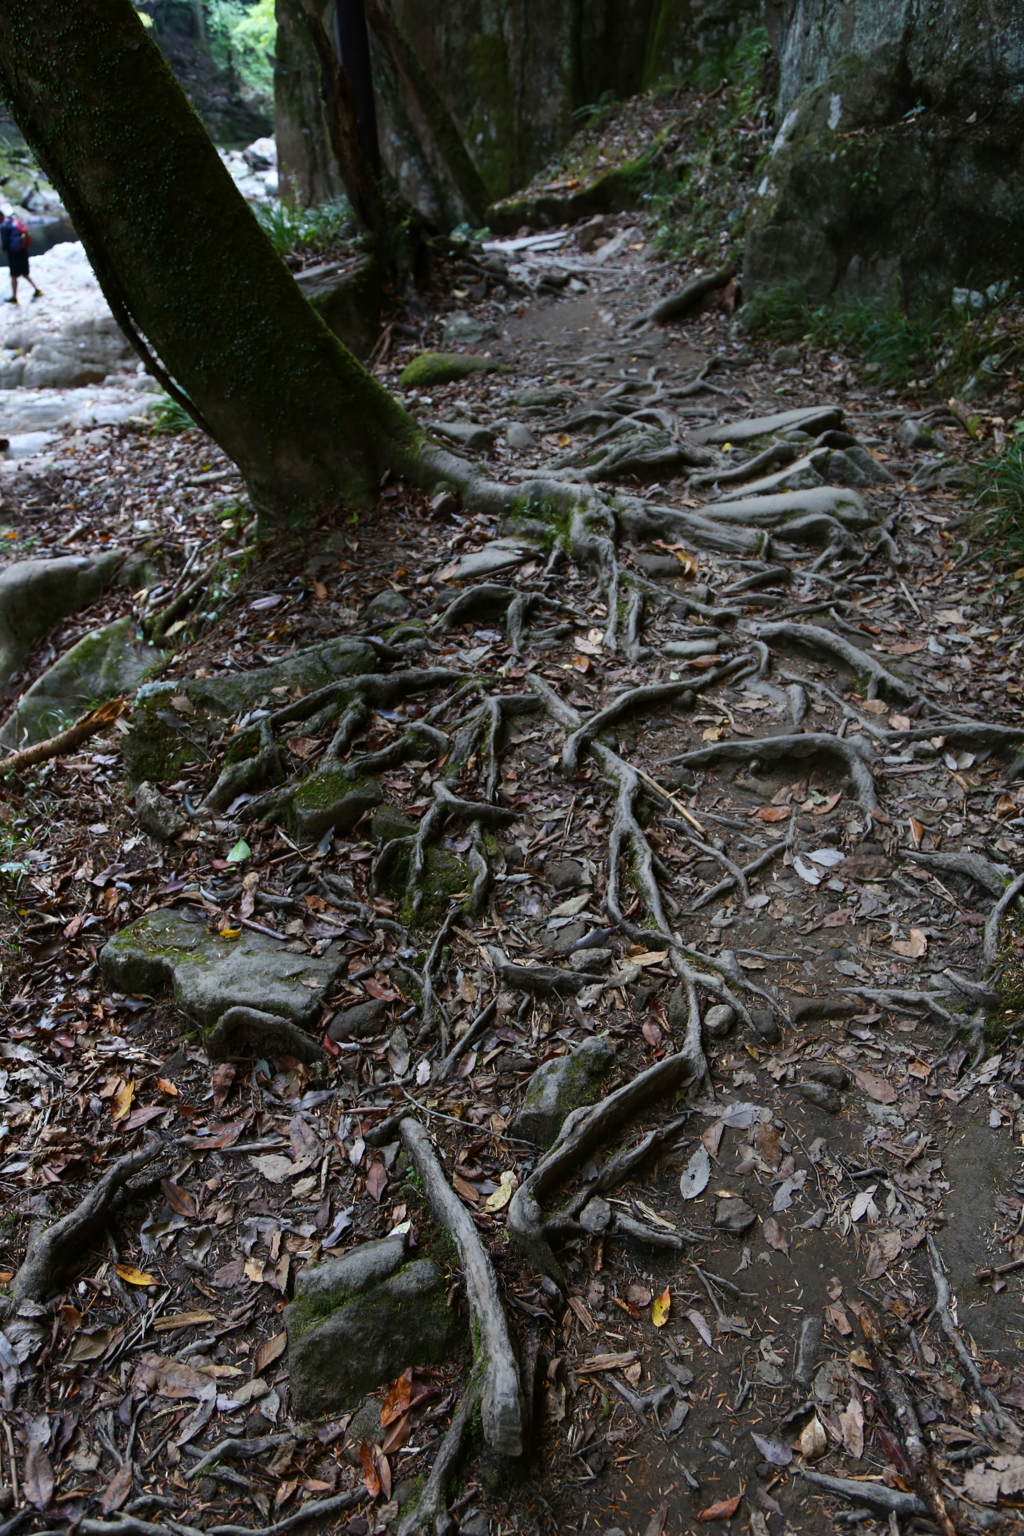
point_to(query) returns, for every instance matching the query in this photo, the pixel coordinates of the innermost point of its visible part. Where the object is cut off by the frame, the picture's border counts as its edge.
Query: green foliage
(307, 229)
(238, 36)
(592, 110)
(169, 418)
(1001, 483)
(939, 348)
(699, 203)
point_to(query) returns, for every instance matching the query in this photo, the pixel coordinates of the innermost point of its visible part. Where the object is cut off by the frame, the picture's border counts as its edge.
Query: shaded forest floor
(856, 1114)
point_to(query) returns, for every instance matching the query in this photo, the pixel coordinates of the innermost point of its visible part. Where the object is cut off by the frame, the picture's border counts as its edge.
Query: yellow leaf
(254, 1270)
(712, 733)
(123, 1100)
(230, 933)
(133, 1276)
(660, 1308)
(565, 441)
(507, 1187)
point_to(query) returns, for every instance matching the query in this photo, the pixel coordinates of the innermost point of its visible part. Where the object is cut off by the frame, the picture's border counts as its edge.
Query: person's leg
(14, 289)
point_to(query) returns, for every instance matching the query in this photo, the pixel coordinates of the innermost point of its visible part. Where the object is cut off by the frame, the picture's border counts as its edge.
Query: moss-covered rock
(561, 1085)
(335, 1359)
(103, 665)
(163, 740)
(210, 973)
(330, 800)
(431, 368)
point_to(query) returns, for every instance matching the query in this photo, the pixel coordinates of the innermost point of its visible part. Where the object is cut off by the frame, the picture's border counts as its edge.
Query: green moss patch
(444, 368)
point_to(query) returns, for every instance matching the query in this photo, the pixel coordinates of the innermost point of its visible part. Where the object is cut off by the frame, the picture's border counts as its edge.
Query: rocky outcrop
(897, 159)
(101, 666)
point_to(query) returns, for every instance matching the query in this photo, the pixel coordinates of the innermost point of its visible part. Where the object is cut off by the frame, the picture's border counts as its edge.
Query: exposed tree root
(990, 940)
(245, 1031)
(680, 303)
(813, 744)
(581, 1133)
(431, 1511)
(889, 1501)
(464, 1042)
(501, 1398)
(971, 865)
(943, 1307)
(861, 663)
(52, 1249)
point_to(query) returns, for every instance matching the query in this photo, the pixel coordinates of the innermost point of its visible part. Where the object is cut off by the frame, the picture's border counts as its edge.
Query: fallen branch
(943, 1306)
(56, 1246)
(686, 298)
(464, 1042)
(501, 1399)
(874, 1495)
(320, 1509)
(92, 724)
(905, 1421)
(235, 1450)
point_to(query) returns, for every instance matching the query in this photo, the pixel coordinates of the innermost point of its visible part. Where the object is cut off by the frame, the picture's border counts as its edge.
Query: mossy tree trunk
(184, 264)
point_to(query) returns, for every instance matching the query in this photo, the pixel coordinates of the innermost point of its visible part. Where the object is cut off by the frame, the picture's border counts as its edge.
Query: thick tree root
(994, 920)
(687, 298)
(501, 1398)
(874, 1495)
(51, 1250)
(971, 865)
(431, 1511)
(813, 744)
(243, 1031)
(861, 663)
(581, 1133)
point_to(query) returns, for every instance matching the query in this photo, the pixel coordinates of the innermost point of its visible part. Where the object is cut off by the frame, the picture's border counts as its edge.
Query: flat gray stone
(484, 562)
(338, 1279)
(210, 974)
(103, 665)
(462, 330)
(158, 815)
(821, 1095)
(334, 1360)
(778, 507)
(596, 959)
(561, 1085)
(389, 605)
(734, 1216)
(34, 594)
(249, 1032)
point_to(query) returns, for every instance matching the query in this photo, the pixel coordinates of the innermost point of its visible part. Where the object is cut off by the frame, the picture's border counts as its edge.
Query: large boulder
(103, 665)
(34, 594)
(897, 159)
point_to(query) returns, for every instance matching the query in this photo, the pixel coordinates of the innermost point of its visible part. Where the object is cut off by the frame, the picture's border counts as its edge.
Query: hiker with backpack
(15, 239)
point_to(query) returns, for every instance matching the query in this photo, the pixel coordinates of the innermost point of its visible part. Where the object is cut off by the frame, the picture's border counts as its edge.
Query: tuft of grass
(943, 348)
(307, 229)
(168, 418)
(1001, 483)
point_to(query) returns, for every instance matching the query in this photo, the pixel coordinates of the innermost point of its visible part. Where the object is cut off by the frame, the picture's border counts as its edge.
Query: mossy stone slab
(162, 740)
(332, 801)
(103, 665)
(335, 1360)
(431, 368)
(210, 974)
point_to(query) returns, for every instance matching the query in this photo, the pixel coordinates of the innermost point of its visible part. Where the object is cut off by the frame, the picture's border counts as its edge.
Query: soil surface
(863, 1113)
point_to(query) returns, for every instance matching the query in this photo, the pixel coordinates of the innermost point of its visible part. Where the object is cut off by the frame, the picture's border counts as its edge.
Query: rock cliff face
(511, 72)
(898, 155)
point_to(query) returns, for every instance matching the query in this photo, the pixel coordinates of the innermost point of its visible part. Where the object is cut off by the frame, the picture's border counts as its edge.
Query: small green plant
(312, 229)
(595, 109)
(897, 347)
(1002, 494)
(168, 418)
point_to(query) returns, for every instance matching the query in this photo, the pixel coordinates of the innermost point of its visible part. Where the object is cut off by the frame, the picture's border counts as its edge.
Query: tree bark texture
(181, 260)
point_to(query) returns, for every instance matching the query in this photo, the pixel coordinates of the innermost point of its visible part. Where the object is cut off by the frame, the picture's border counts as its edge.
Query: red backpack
(21, 237)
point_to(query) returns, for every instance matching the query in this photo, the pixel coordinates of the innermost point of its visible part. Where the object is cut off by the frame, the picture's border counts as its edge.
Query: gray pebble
(719, 1020)
(819, 1094)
